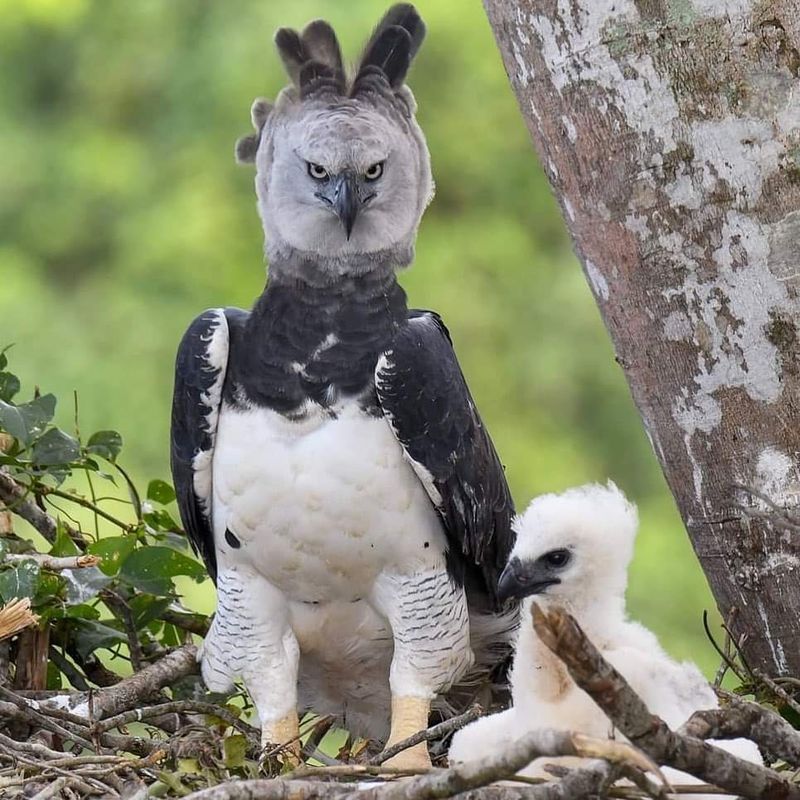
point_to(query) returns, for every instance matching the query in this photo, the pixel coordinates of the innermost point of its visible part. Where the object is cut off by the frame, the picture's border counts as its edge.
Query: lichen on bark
(671, 133)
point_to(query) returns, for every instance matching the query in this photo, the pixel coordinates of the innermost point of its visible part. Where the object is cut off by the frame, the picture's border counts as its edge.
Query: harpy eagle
(573, 549)
(329, 462)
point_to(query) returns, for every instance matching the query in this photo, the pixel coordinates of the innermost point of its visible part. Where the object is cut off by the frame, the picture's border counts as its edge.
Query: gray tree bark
(670, 131)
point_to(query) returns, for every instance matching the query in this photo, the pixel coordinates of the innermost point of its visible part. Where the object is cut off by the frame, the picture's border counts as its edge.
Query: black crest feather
(393, 44)
(321, 46)
(292, 52)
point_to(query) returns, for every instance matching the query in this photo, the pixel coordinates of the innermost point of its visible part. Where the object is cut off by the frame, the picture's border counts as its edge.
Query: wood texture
(670, 131)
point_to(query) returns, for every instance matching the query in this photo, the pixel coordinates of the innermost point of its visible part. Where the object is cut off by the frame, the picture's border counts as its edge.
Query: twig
(129, 692)
(33, 715)
(434, 732)
(272, 789)
(191, 622)
(592, 673)
(532, 745)
(52, 790)
(55, 562)
(48, 491)
(750, 720)
(176, 707)
(124, 610)
(14, 497)
(777, 690)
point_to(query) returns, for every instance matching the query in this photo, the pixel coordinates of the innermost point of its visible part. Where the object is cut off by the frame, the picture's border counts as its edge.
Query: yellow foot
(280, 744)
(415, 758)
(409, 716)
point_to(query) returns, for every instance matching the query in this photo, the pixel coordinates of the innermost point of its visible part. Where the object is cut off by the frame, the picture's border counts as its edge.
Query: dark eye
(557, 558)
(374, 172)
(317, 172)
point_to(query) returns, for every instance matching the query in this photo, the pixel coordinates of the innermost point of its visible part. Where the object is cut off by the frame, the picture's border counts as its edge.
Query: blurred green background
(123, 215)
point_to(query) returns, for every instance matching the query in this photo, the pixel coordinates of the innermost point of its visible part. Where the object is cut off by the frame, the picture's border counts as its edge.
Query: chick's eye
(317, 172)
(557, 558)
(374, 172)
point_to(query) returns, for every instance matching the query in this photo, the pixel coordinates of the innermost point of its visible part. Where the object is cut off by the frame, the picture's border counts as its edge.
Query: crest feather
(393, 45)
(321, 45)
(292, 52)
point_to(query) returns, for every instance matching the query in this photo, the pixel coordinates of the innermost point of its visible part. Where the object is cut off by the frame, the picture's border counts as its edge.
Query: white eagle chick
(573, 549)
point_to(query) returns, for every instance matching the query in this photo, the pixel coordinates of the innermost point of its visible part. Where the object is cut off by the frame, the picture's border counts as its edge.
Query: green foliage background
(122, 215)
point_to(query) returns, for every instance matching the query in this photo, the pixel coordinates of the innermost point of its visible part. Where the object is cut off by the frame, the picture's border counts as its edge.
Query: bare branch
(14, 496)
(56, 563)
(498, 766)
(750, 720)
(129, 692)
(434, 732)
(592, 673)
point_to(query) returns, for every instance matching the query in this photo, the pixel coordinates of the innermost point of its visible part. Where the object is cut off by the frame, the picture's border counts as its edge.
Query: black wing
(425, 398)
(200, 369)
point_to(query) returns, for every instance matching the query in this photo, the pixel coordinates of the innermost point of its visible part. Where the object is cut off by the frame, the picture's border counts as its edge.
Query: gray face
(342, 179)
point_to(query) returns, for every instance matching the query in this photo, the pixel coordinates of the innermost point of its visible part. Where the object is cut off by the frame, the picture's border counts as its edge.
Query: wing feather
(424, 396)
(200, 369)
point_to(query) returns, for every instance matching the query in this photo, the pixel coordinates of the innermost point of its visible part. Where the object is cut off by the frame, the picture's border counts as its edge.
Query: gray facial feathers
(247, 146)
(325, 132)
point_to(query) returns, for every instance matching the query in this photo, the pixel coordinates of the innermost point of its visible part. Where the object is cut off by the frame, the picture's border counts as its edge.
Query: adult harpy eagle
(330, 465)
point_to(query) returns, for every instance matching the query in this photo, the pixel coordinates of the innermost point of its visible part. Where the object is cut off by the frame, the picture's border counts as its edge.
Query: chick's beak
(345, 200)
(521, 579)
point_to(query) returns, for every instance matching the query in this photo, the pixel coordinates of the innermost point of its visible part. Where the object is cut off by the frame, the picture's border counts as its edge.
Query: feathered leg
(251, 638)
(430, 626)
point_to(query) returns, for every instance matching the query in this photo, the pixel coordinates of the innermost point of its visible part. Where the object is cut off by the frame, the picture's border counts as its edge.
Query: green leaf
(145, 608)
(90, 635)
(235, 750)
(55, 447)
(161, 520)
(82, 611)
(49, 591)
(151, 569)
(25, 422)
(53, 676)
(9, 385)
(189, 766)
(20, 581)
(63, 545)
(160, 492)
(106, 444)
(3, 359)
(113, 550)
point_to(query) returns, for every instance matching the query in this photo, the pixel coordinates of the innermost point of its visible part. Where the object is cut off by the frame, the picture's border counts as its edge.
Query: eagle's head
(574, 548)
(342, 168)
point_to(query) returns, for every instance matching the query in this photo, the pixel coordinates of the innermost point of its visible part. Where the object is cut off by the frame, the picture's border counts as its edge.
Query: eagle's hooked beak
(523, 578)
(345, 200)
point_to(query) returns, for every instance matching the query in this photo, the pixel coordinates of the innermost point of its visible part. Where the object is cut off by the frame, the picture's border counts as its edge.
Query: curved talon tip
(616, 752)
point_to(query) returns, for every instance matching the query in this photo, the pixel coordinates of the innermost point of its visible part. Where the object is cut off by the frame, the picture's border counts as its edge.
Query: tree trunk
(670, 130)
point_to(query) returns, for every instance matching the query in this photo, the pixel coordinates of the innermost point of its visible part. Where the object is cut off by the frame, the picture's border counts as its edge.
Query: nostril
(323, 197)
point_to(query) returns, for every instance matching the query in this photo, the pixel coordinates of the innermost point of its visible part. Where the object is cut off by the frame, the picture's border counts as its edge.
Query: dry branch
(740, 718)
(56, 563)
(592, 673)
(15, 498)
(131, 691)
(429, 734)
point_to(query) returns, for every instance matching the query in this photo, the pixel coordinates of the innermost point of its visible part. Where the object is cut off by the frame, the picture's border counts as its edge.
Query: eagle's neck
(316, 337)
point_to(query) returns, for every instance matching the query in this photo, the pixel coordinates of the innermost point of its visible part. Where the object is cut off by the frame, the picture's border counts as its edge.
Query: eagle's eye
(317, 172)
(557, 558)
(374, 172)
